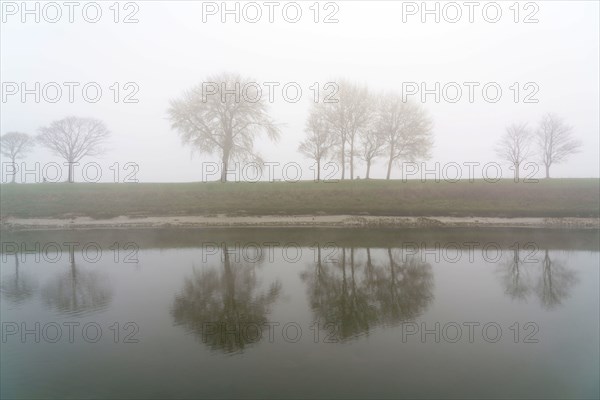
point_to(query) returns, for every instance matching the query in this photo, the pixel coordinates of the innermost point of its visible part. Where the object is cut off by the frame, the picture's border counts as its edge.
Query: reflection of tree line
(225, 308)
(74, 291)
(349, 295)
(353, 297)
(348, 298)
(552, 284)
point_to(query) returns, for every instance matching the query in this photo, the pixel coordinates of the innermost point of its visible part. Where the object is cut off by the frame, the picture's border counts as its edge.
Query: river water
(300, 313)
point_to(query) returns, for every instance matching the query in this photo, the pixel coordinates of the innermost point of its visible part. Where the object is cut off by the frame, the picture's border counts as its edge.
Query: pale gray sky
(170, 49)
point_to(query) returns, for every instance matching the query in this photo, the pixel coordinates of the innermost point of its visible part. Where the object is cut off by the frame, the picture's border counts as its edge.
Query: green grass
(547, 198)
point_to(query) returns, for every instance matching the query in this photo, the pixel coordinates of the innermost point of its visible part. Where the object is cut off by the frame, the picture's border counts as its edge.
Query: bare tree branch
(74, 138)
(372, 143)
(319, 142)
(15, 145)
(406, 128)
(223, 121)
(346, 118)
(555, 141)
(513, 146)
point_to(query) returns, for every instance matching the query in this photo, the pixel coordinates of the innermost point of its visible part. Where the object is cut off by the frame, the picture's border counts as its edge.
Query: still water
(335, 313)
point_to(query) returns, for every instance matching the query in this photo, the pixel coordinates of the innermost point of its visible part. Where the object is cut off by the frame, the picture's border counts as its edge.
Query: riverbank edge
(294, 221)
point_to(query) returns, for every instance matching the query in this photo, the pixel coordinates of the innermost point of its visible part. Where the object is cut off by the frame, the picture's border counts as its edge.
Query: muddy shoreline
(317, 221)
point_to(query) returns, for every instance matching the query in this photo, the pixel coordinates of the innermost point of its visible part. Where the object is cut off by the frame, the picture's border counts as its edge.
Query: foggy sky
(170, 50)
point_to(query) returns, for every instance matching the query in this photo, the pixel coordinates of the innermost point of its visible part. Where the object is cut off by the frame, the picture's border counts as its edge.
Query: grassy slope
(548, 198)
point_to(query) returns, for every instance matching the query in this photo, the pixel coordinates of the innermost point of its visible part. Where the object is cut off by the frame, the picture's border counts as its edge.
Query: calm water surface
(336, 313)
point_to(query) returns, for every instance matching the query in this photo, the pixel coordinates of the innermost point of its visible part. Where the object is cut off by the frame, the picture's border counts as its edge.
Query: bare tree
(406, 129)
(555, 141)
(514, 146)
(15, 145)
(224, 114)
(319, 141)
(372, 143)
(346, 118)
(74, 138)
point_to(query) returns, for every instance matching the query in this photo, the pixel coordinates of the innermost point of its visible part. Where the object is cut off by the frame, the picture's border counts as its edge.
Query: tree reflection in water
(553, 282)
(221, 304)
(349, 298)
(515, 276)
(77, 291)
(19, 287)
(556, 282)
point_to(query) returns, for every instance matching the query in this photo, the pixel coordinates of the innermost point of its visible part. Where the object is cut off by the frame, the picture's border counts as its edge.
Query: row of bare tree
(71, 138)
(358, 125)
(368, 126)
(551, 142)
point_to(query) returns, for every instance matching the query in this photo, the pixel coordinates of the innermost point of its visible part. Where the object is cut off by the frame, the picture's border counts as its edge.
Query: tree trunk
(70, 175)
(368, 168)
(352, 271)
(229, 278)
(318, 170)
(224, 165)
(14, 164)
(352, 159)
(319, 254)
(516, 172)
(73, 277)
(392, 272)
(343, 157)
(547, 171)
(389, 170)
(369, 267)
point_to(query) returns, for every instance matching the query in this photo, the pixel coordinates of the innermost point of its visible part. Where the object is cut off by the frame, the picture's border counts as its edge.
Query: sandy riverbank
(341, 221)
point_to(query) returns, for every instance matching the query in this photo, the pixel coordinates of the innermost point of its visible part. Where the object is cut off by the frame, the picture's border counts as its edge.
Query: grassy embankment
(548, 198)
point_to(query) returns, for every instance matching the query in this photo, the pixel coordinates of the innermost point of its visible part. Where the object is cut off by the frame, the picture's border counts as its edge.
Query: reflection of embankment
(298, 221)
(350, 298)
(550, 280)
(168, 238)
(222, 305)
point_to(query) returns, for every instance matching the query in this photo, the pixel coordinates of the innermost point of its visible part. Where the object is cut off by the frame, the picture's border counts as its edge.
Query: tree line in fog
(358, 125)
